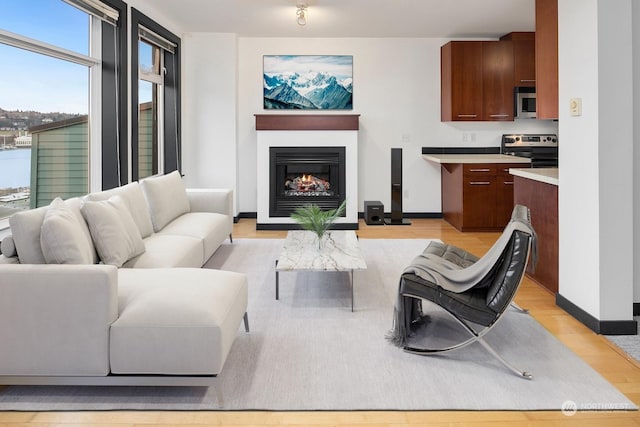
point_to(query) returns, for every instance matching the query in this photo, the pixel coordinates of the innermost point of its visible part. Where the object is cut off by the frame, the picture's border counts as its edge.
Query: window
(44, 97)
(155, 144)
(51, 98)
(150, 82)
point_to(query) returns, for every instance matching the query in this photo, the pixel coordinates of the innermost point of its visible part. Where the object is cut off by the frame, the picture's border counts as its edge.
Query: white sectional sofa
(108, 289)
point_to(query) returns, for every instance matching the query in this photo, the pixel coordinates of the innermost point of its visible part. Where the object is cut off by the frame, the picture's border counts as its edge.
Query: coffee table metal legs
(277, 282)
(278, 285)
(352, 291)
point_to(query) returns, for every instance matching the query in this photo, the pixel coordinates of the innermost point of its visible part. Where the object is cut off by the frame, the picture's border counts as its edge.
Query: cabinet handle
(479, 183)
(508, 183)
(527, 80)
(467, 115)
(479, 170)
(499, 115)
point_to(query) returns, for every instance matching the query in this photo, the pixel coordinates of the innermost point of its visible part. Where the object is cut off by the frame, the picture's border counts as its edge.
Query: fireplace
(303, 159)
(305, 175)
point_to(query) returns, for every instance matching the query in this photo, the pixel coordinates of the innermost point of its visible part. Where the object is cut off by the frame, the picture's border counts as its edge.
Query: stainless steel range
(542, 149)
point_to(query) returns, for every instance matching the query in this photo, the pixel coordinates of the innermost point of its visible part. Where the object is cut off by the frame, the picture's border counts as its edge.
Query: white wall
(636, 150)
(209, 110)
(397, 94)
(596, 182)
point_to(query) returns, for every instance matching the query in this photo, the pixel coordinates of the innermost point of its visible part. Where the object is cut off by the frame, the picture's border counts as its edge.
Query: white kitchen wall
(396, 93)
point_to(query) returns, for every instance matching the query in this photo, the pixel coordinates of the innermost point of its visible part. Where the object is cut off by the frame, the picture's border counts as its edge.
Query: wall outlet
(465, 137)
(406, 137)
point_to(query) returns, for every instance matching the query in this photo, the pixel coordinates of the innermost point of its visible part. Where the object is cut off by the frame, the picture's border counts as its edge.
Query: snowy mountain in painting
(307, 91)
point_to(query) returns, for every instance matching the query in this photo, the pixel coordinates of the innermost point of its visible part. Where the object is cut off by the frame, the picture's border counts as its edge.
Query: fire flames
(307, 183)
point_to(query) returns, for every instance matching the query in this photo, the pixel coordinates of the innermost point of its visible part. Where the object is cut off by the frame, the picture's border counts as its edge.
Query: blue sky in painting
(340, 66)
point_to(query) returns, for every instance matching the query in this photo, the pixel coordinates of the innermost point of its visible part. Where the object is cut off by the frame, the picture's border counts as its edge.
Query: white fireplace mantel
(306, 131)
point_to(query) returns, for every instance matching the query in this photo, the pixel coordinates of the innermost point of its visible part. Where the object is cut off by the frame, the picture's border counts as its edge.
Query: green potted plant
(312, 218)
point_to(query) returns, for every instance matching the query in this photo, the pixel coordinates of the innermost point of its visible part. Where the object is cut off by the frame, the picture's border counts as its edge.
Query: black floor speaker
(373, 213)
(396, 190)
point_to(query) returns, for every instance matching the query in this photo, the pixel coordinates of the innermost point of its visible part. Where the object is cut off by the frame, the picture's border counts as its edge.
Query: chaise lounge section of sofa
(108, 289)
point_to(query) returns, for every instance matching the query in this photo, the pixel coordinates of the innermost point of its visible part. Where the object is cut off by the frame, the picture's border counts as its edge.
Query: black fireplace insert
(305, 175)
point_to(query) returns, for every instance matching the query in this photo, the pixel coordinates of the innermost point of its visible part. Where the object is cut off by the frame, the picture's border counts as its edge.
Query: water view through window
(43, 107)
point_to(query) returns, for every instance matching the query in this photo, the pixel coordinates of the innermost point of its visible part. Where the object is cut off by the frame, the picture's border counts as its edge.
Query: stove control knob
(517, 138)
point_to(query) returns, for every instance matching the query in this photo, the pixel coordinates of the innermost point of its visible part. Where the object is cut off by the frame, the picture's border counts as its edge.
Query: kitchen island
(477, 189)
(538, 189)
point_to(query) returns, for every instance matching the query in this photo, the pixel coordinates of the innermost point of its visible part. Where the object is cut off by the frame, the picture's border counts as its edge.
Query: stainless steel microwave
(525, 102)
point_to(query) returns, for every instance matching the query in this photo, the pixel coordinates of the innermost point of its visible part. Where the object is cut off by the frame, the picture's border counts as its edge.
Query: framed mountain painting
(308, 82)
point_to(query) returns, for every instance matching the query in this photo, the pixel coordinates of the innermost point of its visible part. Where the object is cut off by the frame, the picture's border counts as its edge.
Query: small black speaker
(373, 213)
(396, 189)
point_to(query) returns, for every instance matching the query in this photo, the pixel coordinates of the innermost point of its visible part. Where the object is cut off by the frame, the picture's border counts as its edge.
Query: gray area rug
(630, 344)
(308, 351)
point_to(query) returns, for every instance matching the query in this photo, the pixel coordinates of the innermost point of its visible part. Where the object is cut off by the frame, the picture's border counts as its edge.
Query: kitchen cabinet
(547, 59)
(461, 81)
(477, 196)
(497, 80)
(524, 57)
(542, 200)
(476, 81)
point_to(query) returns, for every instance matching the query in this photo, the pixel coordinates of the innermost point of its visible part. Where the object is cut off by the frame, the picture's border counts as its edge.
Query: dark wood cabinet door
(461, 84)
(497, 80)
(504, 191)
(547, 59)
(524, 65)
(479, 203)
(524, 57)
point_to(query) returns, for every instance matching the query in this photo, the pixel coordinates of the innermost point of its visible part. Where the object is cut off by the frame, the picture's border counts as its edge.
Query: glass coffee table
(340, 252)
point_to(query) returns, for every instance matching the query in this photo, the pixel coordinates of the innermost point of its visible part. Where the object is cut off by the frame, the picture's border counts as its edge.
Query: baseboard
(604, 327)
(247, 215)
(436, 215)
(335, 226)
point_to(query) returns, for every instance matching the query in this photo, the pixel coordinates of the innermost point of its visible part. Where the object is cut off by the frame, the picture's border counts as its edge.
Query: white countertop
(474, 158)
(547, 175)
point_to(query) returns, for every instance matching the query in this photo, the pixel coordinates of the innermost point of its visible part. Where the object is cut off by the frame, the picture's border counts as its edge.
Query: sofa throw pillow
(74, 205)
(114, 232)
(62, 238)
(167, 198)
(8, 247)
(137, 203)
(25, 228)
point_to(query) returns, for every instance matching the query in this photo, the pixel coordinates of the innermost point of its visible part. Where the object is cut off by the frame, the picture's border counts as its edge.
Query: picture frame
(308, 82)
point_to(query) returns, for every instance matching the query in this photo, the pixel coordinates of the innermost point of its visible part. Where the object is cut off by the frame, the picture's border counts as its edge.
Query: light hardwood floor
(612, 364)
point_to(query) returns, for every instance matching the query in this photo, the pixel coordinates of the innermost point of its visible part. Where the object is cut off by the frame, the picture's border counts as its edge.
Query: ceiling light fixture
(301, 14)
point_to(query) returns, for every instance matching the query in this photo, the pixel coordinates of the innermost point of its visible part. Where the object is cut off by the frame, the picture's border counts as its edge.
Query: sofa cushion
(25, 228)
(167, 198)
(169, 251)
(114, 232)
(136, 201)
(62, 236)
(210, 227)
(176, 321)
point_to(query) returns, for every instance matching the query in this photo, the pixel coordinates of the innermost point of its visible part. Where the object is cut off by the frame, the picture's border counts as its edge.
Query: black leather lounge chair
(473, 290)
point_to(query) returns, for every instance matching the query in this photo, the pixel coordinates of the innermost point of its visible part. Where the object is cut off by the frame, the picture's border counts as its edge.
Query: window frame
(114, 97)
(170, 115)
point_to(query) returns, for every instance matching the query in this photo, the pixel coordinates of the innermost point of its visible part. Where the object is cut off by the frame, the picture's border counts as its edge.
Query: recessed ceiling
(351, 18)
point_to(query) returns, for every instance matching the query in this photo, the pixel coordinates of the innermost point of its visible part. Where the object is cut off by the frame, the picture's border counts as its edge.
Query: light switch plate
(575, 106)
